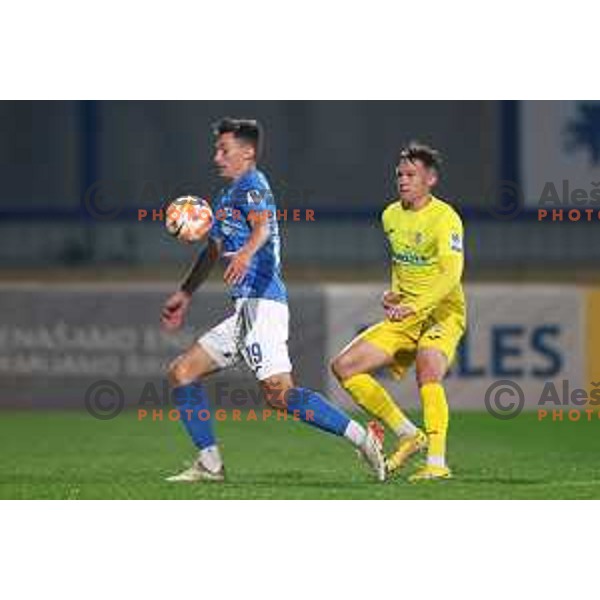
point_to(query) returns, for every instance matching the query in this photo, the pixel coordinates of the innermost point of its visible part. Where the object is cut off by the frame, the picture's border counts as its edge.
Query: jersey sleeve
(449, 249)
(385, 226)
(386, 217)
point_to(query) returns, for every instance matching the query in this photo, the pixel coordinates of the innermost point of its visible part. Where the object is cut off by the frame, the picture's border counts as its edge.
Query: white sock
(211, 458)
(356, 433)
(406, 428)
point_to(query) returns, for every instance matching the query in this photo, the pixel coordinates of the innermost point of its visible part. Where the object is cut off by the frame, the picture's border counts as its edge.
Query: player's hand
(239, 262)
(186, 236)
(390, 299)
(398, 312)
(173, 310)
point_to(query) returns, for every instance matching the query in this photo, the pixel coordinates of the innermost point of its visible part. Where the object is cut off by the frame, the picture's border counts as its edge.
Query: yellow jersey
(426, 249)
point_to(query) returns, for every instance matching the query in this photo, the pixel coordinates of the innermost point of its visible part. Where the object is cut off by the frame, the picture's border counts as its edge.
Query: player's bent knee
(431, 367)
(343, 367)
(175, 373)
(191, 366)
(334, 367)
(359, 358)
(180, 373)
(430, 373)
(275, 389)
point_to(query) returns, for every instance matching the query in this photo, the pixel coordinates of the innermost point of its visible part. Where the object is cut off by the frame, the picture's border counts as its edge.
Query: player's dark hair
(246, 130)
(426, 154)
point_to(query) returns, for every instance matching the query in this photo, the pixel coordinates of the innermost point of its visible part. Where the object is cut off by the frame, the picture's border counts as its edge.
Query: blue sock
(315, 410)
(193, 397)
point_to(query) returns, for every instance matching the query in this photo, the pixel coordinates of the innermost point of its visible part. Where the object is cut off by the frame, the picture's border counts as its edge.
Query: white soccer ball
(189, 218)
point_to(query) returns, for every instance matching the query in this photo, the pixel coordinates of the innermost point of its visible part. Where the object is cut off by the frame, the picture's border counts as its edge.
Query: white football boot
(197, 473)
(372, 451)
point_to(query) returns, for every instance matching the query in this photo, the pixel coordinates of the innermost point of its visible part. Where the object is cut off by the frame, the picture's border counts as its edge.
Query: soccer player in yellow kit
(425, 315)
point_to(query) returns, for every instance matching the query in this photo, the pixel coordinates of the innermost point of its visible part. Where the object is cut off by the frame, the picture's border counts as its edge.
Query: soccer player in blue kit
(257, 332)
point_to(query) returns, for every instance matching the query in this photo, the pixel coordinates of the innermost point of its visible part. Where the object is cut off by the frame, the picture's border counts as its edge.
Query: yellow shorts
(403, 339)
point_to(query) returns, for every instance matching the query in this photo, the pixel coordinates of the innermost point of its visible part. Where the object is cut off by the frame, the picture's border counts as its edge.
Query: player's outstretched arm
(174, 309)
(201, 268)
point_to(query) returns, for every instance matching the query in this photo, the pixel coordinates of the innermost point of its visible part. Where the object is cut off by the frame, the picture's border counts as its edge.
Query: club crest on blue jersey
(255, 196)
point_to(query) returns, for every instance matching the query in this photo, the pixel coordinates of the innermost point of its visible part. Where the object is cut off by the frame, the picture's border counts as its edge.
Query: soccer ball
(189, 218)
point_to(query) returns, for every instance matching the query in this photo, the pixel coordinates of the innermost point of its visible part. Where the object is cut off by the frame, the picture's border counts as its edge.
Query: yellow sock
(374, 398)
(435, 415)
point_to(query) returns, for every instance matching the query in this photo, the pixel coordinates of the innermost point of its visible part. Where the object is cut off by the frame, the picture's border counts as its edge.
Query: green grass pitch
(70, 455)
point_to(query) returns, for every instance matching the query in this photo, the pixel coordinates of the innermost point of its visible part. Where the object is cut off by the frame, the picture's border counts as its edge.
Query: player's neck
(419, 203)
(243, 172)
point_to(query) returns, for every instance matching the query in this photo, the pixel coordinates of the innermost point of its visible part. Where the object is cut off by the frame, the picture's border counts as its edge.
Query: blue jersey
(249, 196)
